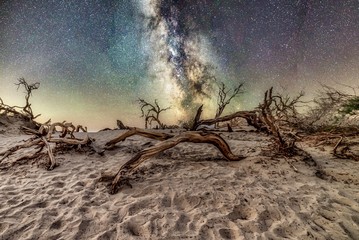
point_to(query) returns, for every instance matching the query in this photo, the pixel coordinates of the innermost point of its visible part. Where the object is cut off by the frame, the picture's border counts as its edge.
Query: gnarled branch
(194, 137)
(141, 132)
(43, 137)
(152, 112)
(224, 99)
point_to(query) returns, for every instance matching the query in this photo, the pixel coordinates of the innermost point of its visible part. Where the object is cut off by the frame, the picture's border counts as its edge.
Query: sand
(188, 192)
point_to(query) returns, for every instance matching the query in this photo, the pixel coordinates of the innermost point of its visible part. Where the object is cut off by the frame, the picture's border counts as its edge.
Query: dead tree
(28, 93)
(168, 141)
(43, 138)
(25, 112)
(327, 103)
(263, 119)
(224, 98)
(151, 112)
(285, 109)
(266, 116)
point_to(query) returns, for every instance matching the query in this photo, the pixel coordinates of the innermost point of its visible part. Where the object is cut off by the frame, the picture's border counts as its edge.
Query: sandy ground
(188, 192)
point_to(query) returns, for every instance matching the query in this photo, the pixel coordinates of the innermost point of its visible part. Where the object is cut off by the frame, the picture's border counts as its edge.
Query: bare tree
(266, 116)
(151, 112)
(28, 88)
(25, 112)
(285, 109)
(327, 103)
(224, 97)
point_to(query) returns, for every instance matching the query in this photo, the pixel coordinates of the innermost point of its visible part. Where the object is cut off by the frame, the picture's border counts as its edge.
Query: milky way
(94, 58)
(173, 30)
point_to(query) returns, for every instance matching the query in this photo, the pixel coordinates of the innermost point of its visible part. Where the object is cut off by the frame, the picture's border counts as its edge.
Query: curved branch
(137, 131)
(194, 137)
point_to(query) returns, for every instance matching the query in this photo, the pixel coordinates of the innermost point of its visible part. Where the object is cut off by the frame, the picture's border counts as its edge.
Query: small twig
(337, 145)
(290, 164)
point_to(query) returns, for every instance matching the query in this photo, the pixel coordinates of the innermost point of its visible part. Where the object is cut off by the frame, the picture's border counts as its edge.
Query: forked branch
(151, 112)
(224, 97)
(28, 91)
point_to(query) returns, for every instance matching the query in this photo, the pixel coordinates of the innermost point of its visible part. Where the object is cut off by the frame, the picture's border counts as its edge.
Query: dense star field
(94, 58)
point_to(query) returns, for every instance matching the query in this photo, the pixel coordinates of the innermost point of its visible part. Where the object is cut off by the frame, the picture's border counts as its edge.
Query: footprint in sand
(185, 202)
(355, 219)
(39, 205)
(84, 225)
(291, 230)
(226, 233)
(12, 201)
(56, 225)
(136, 228)
(137, 207)
(109, 234)
(242, 212)
(166, 201)
(267, 218)
(58, 185)
(182, 223)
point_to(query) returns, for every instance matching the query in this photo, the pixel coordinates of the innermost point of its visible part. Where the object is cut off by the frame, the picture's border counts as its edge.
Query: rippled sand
(188, 192)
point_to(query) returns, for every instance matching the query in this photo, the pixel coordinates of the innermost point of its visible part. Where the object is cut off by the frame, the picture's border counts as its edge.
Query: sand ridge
(187, 192)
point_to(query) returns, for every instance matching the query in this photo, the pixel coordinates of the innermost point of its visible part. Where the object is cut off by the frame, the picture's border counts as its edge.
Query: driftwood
(344, 152)
(42, 139)
(168, 141)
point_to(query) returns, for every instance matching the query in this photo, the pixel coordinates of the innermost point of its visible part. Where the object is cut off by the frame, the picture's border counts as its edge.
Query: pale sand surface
(188, 192)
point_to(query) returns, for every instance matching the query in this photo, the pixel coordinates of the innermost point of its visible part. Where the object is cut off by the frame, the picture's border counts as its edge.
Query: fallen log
(167, 143)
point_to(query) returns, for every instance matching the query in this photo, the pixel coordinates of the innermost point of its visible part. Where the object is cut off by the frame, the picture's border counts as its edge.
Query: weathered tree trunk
(120, 125)
(49, 152)
(197, 118)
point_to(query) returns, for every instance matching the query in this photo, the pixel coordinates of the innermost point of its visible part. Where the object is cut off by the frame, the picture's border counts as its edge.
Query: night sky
(94, 58)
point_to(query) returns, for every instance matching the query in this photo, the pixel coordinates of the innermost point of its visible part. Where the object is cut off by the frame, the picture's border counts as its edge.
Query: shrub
(350, 106)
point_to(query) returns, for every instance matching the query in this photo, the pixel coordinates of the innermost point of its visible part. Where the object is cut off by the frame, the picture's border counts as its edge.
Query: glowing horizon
(94, 59)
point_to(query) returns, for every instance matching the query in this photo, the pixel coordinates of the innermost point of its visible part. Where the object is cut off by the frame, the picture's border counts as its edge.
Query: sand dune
(187, 192)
